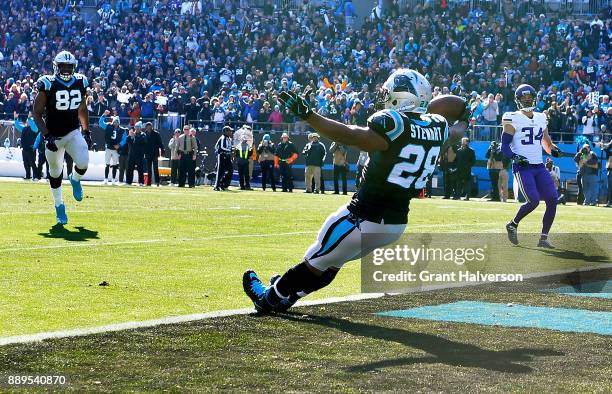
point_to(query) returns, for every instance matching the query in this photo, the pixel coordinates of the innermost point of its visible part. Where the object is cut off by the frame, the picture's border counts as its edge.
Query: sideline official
(223, 150)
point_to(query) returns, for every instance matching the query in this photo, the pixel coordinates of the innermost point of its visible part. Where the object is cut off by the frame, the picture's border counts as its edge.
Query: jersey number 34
(65, 100)
(419, 165)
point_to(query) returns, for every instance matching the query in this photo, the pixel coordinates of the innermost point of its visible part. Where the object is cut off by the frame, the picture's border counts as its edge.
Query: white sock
(76, 176)
(57, 196)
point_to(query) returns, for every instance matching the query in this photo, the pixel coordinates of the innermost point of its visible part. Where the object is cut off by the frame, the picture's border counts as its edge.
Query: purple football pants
(536, 184)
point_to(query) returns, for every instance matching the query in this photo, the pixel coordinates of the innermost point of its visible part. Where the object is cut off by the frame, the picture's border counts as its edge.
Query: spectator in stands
(589, 123)
(192, 109)
(490, 111)
(276, 118)
(339, 159)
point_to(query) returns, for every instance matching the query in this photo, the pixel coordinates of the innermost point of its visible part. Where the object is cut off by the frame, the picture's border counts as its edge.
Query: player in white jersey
(525, 134)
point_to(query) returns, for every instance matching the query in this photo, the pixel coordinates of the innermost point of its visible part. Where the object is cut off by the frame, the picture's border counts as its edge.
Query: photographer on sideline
(265, 152)
(587, 169)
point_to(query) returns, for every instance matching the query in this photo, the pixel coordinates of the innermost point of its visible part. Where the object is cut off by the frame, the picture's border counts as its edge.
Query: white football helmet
(64, 65)
(405, 90)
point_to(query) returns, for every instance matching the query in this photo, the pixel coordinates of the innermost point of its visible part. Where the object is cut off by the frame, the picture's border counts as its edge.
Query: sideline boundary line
(30, 338)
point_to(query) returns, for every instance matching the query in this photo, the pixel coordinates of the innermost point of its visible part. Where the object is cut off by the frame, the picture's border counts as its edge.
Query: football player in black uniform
(59, 109)
(404, 143)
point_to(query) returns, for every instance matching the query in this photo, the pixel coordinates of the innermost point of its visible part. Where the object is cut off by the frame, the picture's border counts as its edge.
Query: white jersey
(528, 134)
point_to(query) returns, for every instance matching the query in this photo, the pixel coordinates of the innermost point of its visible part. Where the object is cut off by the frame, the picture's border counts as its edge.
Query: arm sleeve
(505, 147)
(18, 125)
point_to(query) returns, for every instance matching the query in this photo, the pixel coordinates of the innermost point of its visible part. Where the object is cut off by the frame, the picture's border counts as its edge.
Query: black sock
(300, 281)
(106, 171)
(114, 172)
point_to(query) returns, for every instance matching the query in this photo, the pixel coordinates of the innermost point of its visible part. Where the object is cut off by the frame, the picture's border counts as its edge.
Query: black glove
(50, 142)
(297, 104)
(520, 160)
(87, 136)
(555, 152)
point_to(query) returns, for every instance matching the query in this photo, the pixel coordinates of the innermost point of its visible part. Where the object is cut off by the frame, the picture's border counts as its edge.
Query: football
(447, 105)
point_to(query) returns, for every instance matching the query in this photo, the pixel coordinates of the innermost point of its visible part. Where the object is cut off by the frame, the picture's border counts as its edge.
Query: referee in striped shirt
(223, 149)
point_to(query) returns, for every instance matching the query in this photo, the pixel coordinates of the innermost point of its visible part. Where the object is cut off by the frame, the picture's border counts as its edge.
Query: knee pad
(80, 171)
(56, 182)
(300, 280)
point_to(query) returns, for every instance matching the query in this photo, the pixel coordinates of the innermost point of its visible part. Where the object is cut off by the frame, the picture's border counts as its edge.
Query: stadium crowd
(217, 62)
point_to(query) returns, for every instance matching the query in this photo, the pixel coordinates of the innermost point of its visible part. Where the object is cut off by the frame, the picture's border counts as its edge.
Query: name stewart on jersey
(426, 133)
(394, 176)
(63, 101)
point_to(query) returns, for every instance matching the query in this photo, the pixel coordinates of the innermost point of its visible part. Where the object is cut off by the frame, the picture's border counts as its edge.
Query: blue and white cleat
(77, 189)
(60, 214)
(256, 290)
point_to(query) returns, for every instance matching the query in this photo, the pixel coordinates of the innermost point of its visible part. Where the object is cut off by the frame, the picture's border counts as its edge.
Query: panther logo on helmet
(64, 65)
(405, 90)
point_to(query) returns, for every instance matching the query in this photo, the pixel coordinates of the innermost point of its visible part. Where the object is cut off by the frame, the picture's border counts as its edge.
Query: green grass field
(171, 252)
(167, 252)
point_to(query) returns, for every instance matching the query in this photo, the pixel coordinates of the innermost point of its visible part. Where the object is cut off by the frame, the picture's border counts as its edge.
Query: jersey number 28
(67, 100)
(406, 173)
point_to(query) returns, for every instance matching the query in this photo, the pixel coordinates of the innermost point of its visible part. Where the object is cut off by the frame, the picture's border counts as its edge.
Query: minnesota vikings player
(404, 143)
(524, 135)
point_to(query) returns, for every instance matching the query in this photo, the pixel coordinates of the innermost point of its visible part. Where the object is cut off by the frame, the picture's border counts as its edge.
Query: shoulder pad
(83, 78)
(388, 123)
(44, 82)
(508, 117)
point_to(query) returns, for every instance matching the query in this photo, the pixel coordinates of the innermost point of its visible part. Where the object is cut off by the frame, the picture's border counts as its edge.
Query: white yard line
(245, 311)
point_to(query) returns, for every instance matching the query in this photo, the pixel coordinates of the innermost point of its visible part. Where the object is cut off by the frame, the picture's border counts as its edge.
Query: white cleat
(105, 182)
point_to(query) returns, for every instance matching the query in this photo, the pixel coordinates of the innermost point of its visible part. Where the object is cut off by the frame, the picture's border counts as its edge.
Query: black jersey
(392, 177)
(63, 101)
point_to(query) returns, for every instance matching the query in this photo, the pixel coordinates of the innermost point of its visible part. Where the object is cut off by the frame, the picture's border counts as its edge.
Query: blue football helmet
(525, 97)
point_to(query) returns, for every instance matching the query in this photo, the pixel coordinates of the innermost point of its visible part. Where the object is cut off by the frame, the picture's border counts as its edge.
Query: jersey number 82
(65, 100)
